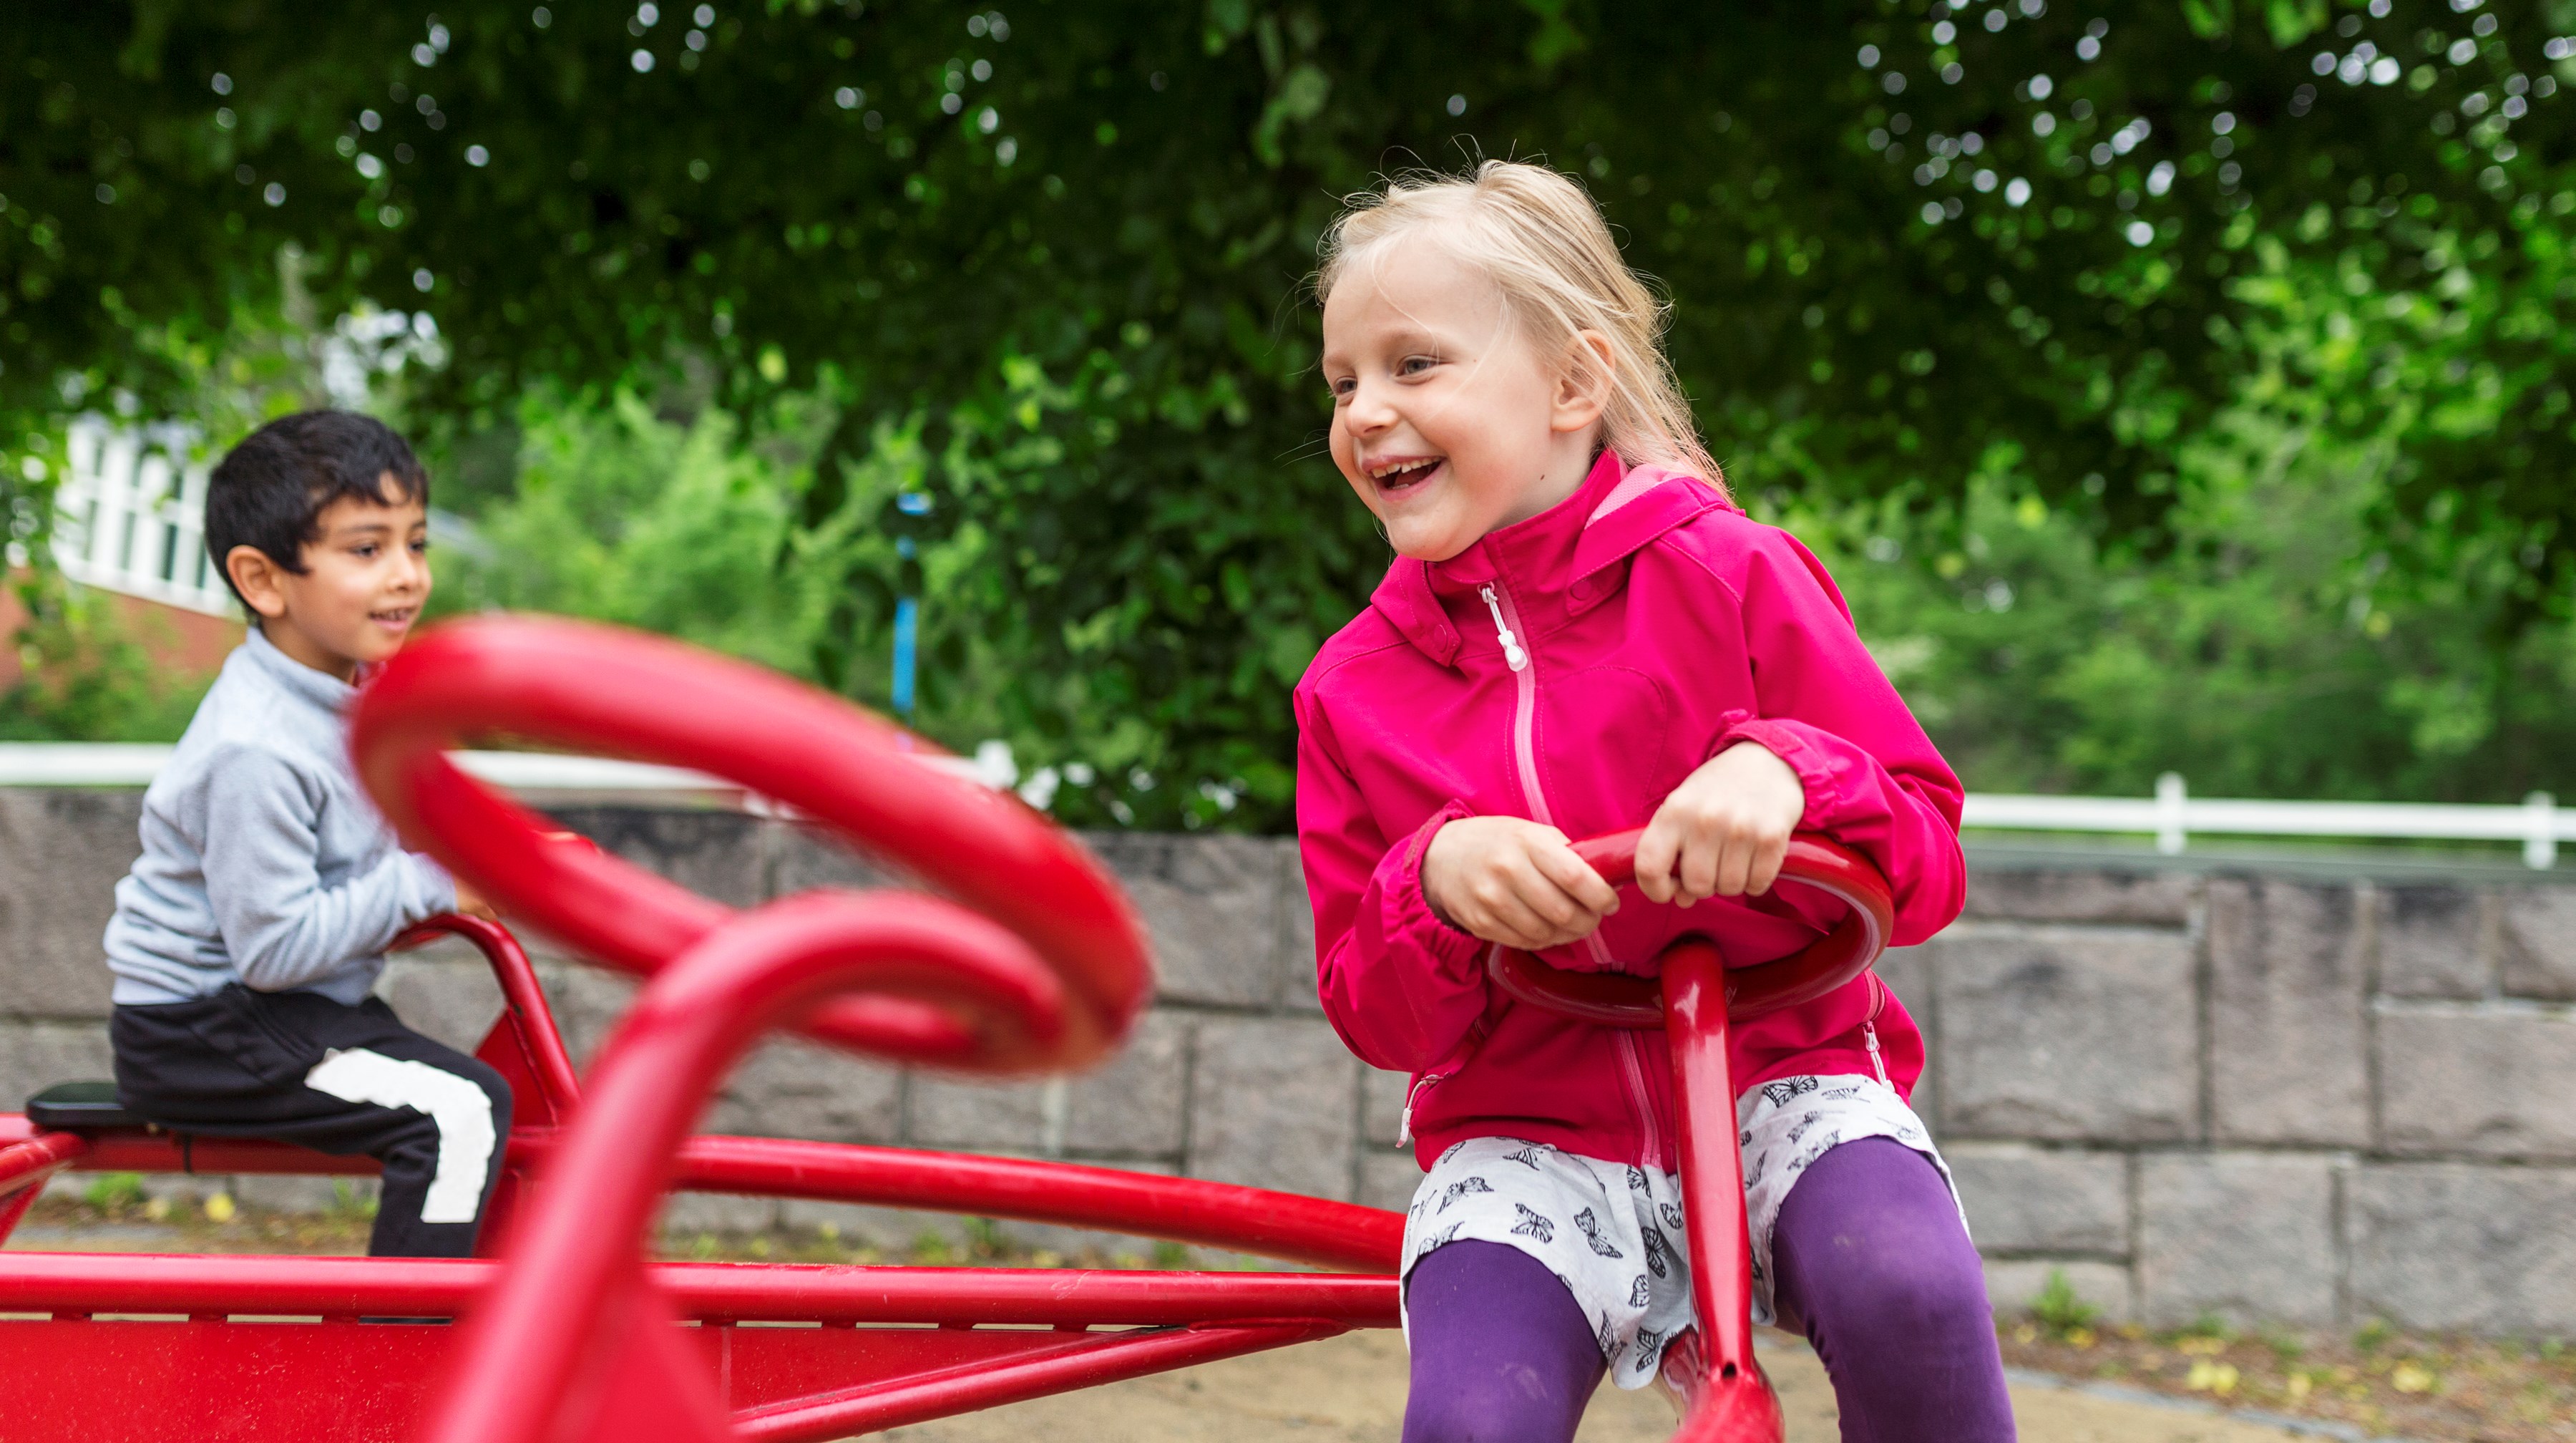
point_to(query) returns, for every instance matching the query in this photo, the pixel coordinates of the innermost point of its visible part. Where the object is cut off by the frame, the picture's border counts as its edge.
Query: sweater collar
(1559, 564)
(318, 687)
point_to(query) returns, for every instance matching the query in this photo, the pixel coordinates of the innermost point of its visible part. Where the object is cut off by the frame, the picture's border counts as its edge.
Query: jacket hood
(1560, 563)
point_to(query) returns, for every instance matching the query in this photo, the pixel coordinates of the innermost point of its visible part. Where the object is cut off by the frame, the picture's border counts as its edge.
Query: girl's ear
(1583, 385)
(258, 577)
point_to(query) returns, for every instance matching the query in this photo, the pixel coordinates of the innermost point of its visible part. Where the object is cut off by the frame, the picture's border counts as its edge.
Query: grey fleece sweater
(263, 863)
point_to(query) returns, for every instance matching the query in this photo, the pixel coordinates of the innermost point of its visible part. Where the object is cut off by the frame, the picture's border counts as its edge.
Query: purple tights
(1868, 1253)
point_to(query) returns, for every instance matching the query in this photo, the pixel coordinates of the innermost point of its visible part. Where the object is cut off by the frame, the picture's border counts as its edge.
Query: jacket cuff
(1788, 742)
(1408, 912)
(433, 888)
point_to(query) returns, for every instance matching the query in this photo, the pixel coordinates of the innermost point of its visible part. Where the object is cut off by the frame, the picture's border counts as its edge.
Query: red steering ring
(597, 688)
(1618, 999)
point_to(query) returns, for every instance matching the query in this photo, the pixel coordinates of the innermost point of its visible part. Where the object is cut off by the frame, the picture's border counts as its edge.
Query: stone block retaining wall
(2258, 1094)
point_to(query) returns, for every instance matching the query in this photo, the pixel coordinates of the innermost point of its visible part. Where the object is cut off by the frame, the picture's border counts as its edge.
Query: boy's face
(365, 578)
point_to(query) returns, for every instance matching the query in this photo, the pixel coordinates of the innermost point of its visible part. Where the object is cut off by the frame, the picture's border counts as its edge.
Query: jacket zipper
(1507, 630)
(1869, 1029)
(1413, 1094)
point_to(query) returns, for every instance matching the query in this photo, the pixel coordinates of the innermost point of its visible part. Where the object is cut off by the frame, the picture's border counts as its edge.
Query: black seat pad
(80, 1107)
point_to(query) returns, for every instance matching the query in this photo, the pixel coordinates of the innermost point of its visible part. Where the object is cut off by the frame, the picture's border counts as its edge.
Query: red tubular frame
(1031, 961)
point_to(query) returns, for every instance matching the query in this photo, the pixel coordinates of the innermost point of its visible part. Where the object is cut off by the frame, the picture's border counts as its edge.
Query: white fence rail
(2171, 816)
(135, 764)
(130, 516)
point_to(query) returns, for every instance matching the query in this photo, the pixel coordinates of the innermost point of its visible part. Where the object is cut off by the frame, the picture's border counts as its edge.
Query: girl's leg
(1870, 1255)
(1501, 1354)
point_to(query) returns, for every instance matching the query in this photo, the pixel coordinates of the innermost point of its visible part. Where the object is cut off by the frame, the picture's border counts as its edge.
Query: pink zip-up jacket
(1653, 625)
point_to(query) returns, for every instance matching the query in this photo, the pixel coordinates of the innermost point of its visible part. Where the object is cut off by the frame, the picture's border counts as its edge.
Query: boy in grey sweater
(251, 930)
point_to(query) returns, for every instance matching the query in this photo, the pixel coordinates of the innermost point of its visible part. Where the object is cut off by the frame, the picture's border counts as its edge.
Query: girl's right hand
(1513, 881)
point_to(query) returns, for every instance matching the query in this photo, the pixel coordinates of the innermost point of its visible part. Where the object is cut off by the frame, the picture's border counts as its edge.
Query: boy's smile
(365, 579)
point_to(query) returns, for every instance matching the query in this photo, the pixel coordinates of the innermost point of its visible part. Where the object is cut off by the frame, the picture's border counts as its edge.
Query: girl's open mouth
(1402, 475)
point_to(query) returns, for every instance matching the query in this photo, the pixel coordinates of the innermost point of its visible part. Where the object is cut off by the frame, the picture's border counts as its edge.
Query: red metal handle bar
(219, 1285)
(1615, 999)
(523, 1010)
(579, 685)
(576, 1306)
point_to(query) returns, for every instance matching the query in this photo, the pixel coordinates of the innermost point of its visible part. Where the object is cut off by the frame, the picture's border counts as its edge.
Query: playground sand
(1352, 1388)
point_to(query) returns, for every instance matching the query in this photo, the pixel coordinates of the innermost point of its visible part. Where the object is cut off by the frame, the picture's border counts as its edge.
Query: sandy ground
(1347, 1388)
(1352, 1388)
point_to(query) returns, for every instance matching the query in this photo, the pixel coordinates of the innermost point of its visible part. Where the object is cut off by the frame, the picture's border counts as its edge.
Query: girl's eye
(366, 551)
(1344, 387)
(1415, 365)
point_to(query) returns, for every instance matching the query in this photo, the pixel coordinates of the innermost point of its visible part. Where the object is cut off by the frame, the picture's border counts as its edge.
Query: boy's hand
(471, 904)
(1515, 882)
(1724, 830)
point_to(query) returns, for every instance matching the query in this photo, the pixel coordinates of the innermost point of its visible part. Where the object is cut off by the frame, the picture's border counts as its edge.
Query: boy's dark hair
(270, 490)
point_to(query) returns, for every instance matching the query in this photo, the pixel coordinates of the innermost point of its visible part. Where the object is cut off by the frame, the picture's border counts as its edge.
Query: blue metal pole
(907, 634)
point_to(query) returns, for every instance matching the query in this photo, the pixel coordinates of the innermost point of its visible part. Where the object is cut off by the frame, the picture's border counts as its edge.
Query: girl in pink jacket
(1580, 634)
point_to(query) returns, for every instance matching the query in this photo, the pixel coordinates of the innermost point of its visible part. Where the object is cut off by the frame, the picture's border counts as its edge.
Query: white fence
(130, 516)
(2171, 816)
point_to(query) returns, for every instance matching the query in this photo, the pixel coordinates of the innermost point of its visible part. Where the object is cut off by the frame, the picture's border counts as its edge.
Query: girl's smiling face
(1447, 421)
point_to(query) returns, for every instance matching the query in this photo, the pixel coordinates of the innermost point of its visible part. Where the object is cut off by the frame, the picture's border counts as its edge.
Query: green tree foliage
(1059, 249)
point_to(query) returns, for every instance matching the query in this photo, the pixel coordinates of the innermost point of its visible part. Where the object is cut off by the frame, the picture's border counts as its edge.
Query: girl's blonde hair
(1542, 240)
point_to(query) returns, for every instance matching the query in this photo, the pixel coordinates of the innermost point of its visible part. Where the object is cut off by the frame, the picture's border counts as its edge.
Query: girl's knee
(1924, 1292)
(1516, 1405)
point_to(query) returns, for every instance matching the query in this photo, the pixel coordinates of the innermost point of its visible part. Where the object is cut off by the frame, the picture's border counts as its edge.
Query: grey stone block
(2145, 899)
(976, 1115)
(2485, 1081)
(36, 1055)
(1136, 1105)
(2064, 1033)
(586, 1002)
(2024, 1199)
(716, 854)
(2538, 927)
(2014, 1284)
(1382, 1106)
(445, 991)
(1387, 1179)
(1273, 1106)
(61, 856)
(795, 1089)
(2482, 1249)
(2433, 942)
(810, 856)
(2247, 1236)
(1907, 971)
(1296, 933)
(718, 1212)
(1211, 904)
(1130, 1107)
(2289, 1055)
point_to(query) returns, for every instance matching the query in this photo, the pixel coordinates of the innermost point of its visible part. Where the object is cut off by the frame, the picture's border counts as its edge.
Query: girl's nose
(1368, 410)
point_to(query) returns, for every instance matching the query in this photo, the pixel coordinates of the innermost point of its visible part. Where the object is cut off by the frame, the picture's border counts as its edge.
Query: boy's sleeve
(1402, 987)
(1874, 781)
(281, 926)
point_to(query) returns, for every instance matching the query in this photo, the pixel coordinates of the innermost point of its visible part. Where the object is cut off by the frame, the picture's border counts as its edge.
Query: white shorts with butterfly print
(1612, 1232)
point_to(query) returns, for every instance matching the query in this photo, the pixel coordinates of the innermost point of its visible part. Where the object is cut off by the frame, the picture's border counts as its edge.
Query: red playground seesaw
(1024, 959)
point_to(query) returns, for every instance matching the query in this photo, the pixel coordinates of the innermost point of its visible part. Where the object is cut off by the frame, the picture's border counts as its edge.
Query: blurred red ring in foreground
(604, 690)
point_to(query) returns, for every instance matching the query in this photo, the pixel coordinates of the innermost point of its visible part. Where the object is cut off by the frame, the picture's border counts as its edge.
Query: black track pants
(301, 1068)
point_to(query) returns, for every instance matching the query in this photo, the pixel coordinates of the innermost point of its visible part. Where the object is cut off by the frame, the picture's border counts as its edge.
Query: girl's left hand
(1724, 831)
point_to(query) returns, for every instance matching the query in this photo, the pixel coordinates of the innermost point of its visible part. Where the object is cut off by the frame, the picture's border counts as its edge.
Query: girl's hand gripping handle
(1618, 1000)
